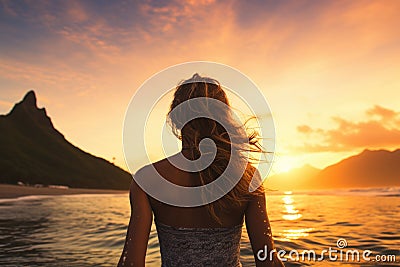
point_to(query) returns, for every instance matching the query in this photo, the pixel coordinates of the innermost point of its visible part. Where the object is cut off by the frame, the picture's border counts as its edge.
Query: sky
(329, 69)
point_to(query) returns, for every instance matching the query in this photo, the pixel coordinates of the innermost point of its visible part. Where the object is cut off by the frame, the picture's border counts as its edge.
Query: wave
(31, 197)
(37, 197)
(380, 191)
(366, 191)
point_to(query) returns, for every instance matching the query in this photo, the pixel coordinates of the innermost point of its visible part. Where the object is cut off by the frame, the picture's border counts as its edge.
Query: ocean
(89, 230)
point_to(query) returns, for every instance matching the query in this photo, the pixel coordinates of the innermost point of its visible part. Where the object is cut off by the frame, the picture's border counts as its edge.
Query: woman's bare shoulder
(160, 166)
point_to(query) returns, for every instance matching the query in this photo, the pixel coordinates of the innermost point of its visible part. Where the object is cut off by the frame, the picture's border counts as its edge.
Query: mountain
(34, 152)
(371, 168)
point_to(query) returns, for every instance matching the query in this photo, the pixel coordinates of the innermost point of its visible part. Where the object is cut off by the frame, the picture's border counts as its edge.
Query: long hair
(192, 132)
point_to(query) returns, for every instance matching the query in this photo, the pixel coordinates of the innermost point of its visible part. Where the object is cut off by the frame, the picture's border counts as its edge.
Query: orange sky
(329, 69)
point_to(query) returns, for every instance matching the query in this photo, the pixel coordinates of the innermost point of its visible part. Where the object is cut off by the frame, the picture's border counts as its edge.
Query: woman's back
(190, 236)
(191, 217)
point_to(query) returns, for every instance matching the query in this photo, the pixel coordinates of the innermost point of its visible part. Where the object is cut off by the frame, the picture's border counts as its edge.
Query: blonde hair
(197, 129)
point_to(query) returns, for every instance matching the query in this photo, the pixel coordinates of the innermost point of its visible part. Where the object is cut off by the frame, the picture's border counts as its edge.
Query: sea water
(89, 230)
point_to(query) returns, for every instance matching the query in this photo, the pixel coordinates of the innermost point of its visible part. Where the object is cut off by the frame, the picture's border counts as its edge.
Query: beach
(15, 191)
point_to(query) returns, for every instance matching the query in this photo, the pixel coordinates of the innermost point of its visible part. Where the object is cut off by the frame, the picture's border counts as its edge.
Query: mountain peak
(30, 99)
(26, 112)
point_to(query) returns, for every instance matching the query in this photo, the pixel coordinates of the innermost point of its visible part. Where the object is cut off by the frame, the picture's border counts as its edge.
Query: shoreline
(8, 191)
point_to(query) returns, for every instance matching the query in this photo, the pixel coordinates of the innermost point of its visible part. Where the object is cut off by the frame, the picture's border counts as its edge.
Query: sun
(283, 164)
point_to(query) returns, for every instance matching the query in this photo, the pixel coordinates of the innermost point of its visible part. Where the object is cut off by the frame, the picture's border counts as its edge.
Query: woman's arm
(137, 236)
(259, 231)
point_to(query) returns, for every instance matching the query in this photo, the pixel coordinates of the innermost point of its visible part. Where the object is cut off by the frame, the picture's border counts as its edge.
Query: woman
(207, 235)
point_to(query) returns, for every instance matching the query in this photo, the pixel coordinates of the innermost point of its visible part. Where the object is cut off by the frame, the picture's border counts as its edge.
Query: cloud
(67, 78)
(5, 103)
(269, 27)
(304, 129)
(380, 130)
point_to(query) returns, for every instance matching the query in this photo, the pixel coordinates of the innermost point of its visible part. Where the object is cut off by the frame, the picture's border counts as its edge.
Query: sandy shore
(14, 191)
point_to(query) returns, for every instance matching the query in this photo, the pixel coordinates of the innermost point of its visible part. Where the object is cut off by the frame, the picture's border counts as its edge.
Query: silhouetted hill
(370, 168)
(34, 152)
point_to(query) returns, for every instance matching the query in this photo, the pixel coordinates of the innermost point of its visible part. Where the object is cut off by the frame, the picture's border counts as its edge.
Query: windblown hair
(202, 127)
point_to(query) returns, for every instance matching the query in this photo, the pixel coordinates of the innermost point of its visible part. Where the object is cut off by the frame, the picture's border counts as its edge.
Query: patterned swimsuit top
(183, 247)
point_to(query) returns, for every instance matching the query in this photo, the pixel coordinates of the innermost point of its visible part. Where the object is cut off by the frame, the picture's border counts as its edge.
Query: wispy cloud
(381, 130)
(5, 103)
(65, 78)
